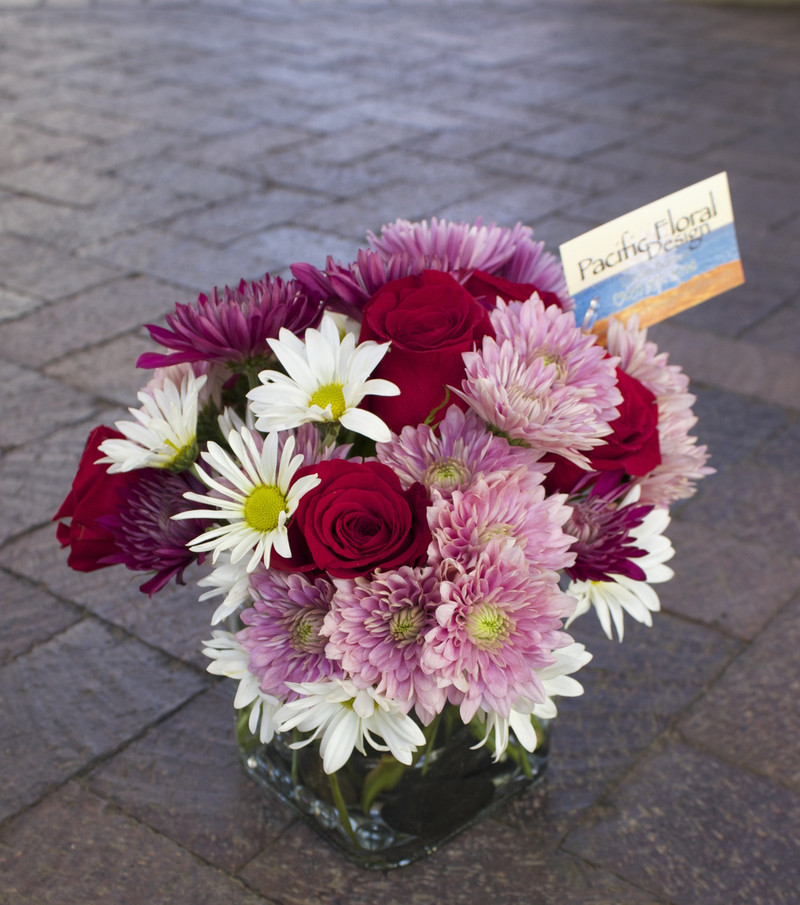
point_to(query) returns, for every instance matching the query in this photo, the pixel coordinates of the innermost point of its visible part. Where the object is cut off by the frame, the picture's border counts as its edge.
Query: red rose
(94, 494)
(485, 287)
(357, 519)
(430, 320)
(632, 448)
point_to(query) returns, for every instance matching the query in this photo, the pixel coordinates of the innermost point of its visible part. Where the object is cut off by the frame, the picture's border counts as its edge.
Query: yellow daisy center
(488, 626)
(263, 507)
(331, 395)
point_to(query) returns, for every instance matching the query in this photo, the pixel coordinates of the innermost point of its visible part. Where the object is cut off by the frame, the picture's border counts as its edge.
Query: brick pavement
(151, 150)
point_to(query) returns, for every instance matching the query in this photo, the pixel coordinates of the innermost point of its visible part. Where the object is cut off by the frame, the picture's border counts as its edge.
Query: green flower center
(550, 357)
(330, 395)
(488, 626)
(405, 625)
(262, 509)
(184, 456)
(305, 636)
(447, 472)
(489, 532)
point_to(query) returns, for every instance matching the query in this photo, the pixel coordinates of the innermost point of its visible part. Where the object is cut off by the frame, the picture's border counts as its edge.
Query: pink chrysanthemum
(233, 326)
(542, 381)
(461, 248)
(496, 625)
(453, 454)
(282, 630)
(148, 538)
(683, 461)
(491, 517)
(605, 544)
(376, 629)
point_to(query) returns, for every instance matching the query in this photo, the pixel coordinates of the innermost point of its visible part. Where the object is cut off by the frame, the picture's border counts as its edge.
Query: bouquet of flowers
(406, 477)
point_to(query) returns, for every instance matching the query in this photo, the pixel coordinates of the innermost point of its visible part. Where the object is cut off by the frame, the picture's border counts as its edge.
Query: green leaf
(385, 776)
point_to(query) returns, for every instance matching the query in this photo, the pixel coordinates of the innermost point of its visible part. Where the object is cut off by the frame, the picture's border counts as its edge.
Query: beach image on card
(658, 260)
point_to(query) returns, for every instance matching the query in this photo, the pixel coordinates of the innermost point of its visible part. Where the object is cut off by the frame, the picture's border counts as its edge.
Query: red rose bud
(430, 321)
(357, 519)
(633, 446)
(95, 494)
(486, 287)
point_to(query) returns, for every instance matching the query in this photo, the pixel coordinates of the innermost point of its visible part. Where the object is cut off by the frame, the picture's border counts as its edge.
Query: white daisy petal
(327, 380)
(164, 432)
(345, 717)
(367, 424)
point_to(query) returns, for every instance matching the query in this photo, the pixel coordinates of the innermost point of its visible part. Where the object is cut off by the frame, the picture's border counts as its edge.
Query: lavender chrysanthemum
(683, 461)
(404, 249)
(376, 629)
(602, 526)
(542, 381)
(282, 630)
(461, 248)
(491, 517)
(496, 626)
(233, 326)
(452, 455)
(148, 537)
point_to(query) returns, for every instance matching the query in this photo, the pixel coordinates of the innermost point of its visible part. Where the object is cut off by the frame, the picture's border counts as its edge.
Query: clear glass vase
(381, 813)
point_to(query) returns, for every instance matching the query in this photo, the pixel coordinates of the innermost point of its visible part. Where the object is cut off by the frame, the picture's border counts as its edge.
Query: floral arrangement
(406, 477)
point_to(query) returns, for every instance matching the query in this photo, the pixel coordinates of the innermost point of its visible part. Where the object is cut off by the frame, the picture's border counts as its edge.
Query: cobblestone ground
(151, 151)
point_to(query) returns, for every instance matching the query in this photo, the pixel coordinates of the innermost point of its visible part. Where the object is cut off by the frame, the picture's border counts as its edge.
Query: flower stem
(341, 807)
(295, 760)
(431, 732)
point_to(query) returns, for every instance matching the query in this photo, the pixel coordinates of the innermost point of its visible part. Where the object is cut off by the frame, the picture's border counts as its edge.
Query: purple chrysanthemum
(148, 537)
(282, 630)
(683, 461)
(491, 517)
(233, 326)
(604, 543)
(347, 287)
(542, 381)
(496, 625)
(453, 454)
(376, 629)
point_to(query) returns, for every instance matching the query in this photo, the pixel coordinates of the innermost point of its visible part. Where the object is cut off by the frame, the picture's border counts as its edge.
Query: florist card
(657, 260)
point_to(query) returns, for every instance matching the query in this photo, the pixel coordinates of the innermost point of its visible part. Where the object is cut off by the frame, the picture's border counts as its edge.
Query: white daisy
(325, 381)
(254, 498)
(557, 682)
(229, 658)
(164, 434)
(231, 581)
(229, 420)
(626, 595)
(557, 679)
(346, 716)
